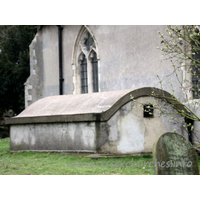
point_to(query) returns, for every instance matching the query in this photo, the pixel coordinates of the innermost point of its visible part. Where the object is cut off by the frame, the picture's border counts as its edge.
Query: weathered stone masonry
(105, 122)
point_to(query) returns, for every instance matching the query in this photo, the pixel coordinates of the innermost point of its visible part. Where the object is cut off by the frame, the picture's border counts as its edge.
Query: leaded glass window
(95, 73)
(84, 80)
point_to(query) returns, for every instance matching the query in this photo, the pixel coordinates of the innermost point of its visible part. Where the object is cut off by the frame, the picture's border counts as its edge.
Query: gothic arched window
(85, 64)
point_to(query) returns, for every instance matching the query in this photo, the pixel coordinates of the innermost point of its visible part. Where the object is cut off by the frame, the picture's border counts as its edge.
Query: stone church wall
(127, 57)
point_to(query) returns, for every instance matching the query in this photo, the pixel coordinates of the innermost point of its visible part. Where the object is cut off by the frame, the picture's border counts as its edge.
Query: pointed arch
(85, 45)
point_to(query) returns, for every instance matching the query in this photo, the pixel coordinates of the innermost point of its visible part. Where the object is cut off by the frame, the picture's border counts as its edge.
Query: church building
(79, 95)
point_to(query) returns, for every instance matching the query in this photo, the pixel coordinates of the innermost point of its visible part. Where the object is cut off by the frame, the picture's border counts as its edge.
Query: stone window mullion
(89, 73)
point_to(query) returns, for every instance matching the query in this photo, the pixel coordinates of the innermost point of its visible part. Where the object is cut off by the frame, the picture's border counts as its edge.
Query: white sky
(103, 12)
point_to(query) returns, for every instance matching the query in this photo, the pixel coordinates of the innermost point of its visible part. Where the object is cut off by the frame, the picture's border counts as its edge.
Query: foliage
(14, 65)
(3, 131)
(181, 46)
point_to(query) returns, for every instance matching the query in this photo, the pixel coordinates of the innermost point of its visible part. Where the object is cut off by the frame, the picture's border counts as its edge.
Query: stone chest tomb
(104, 122)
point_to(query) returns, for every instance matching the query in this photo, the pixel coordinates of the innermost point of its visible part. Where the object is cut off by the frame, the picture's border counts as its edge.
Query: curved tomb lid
(73, 104)
(83, 107)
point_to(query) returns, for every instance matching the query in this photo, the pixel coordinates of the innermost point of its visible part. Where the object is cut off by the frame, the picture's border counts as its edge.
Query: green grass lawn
(32, 163)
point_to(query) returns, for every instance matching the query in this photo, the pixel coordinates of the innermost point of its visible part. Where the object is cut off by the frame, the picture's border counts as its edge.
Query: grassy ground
(32, 163)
